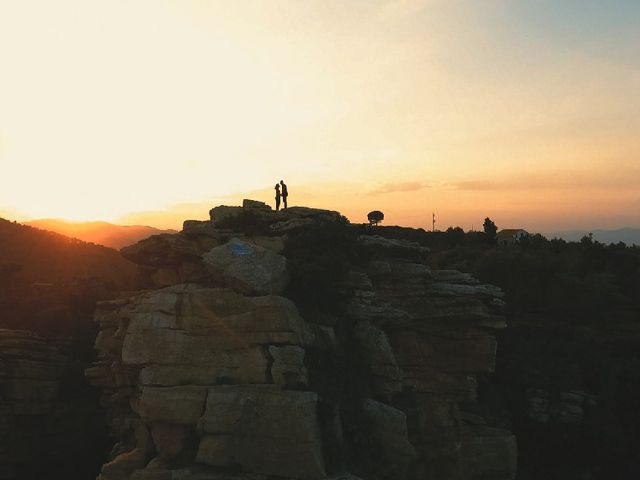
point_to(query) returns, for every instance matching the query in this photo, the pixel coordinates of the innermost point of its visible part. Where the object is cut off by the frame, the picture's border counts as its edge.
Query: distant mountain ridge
(101, 233)
(44, 256)
(628, 235)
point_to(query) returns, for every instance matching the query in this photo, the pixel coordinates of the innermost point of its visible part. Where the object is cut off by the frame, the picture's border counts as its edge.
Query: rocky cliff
(50, 426)
(258, 351)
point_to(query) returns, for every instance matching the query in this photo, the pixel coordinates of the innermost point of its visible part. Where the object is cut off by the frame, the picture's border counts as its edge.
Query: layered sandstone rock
(215, 374)
(251, 269)
(45, 417)
(439, 326)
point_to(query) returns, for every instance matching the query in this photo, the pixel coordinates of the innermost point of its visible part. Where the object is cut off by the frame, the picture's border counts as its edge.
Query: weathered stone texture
(43, 421)
(248, 268)
(217, 376)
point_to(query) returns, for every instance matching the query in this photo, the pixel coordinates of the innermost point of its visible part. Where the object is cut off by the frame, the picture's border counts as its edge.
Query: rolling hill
(101, 233)
(44, 256)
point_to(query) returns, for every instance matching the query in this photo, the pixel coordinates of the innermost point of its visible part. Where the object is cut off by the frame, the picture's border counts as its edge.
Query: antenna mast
(433, 222)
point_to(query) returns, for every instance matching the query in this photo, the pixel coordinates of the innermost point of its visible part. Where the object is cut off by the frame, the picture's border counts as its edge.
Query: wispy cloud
(395, 187)
(621, 178)
(476, 185)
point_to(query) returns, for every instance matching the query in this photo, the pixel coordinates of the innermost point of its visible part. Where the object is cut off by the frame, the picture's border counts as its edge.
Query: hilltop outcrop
(227, 367)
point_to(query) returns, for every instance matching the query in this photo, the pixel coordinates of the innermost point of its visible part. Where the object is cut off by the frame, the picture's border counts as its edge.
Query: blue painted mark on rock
(240, 249)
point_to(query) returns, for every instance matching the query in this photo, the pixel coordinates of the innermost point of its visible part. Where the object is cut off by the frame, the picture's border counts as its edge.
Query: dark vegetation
(317, 258)
(581, 284)
(574, 328)
(490, 228)
(375, 217)
(49, 257)
(102, 233)
(49, 284)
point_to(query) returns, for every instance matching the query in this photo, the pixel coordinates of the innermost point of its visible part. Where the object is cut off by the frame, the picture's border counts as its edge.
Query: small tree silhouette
(375, 217)
(490, 228)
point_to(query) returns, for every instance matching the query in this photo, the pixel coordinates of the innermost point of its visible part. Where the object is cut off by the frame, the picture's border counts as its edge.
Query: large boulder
(173, 405)
(317, 214)
(222, 212)
(489, 453)
(189, 325)
(162, 250)
(387, 428)
(121, 467)
(297, 218)
(376, 352)
(248, 365)
(249, 204)
(174, 444)
(264, 430)
(288, 368)
(248, 268)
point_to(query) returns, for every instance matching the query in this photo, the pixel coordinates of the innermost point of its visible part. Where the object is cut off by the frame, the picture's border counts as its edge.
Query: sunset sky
(152, 112)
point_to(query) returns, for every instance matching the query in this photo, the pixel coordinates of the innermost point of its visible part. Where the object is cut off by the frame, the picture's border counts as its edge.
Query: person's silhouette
(285, 193)
(277, 187)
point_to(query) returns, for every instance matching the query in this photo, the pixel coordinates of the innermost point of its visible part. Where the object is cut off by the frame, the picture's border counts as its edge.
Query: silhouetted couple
(281, 192)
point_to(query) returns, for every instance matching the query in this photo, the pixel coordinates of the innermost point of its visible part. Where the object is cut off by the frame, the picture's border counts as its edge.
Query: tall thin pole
(433, 222)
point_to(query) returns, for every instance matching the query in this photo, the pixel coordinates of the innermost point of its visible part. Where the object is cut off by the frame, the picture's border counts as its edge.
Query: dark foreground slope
(51, 423)
(50, 257)
(48, 281)
(291, 346)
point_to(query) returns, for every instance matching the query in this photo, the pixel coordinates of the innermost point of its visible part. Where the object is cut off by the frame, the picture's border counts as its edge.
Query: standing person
(285, 193)
(277, 187)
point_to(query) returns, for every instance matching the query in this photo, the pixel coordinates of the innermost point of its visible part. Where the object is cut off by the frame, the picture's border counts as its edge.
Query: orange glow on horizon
(153, 112)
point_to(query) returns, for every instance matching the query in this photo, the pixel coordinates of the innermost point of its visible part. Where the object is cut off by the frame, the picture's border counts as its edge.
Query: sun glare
(113, 108)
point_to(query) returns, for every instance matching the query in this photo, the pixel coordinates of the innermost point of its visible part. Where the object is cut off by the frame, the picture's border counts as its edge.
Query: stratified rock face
(484, 452)
(30, 372)
(439, 327)
(39, 418)
(216, 375)
(169, 359)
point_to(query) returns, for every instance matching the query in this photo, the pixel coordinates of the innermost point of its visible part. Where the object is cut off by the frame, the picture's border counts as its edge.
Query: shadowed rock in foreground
(219, 371)
(49, 423)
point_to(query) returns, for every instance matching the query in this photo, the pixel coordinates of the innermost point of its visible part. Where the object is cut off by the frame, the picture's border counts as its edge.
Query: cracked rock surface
(213, 372)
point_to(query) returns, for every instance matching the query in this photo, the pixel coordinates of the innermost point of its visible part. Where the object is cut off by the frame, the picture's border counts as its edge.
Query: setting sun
(135, 110)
